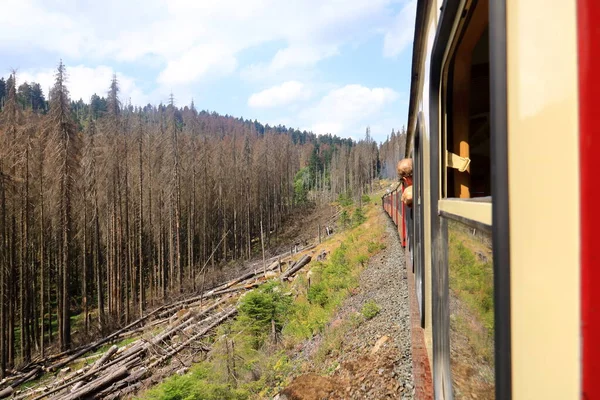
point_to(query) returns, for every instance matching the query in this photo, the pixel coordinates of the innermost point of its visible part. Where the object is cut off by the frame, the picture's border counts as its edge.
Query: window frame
(419, 226)
(471, 211)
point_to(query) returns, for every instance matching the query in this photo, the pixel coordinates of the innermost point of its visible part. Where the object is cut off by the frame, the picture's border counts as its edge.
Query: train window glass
(471, 308)
(466, 207)
(467, 108)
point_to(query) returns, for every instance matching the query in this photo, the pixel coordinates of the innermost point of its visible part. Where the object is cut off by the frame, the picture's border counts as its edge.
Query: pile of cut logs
(162, 334)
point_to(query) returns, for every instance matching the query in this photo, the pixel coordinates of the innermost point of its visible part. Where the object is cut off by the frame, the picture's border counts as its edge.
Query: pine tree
(67, 146)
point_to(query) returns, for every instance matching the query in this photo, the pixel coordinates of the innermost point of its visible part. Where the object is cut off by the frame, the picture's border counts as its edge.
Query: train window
(466, 265)
(467, 105)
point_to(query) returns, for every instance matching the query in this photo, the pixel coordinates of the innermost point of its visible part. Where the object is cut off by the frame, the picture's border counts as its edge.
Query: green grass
(374, 247)
(472, 282)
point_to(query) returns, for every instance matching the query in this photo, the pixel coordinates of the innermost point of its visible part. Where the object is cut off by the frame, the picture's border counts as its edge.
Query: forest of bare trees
(391, 151)
(108, 210)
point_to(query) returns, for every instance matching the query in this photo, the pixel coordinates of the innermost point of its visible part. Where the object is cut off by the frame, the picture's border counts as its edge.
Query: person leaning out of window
(405, 169)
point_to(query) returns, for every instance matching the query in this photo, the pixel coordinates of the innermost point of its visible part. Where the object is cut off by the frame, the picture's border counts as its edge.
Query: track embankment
(365, 352)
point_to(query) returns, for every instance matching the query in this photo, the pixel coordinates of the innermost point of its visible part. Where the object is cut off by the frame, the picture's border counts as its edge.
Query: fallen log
(99, 343)
(237, 289)
(105, 357)
(88, 358)
(57, 356)
(6, 392)
(33, 374)
(39, 362)
(121, 387)
(137, 350)
(169, 332)
(140, 346)
(124, 392)
(77, 386)
(203, 332)
(11, 378)
(296, 267)
(246, 276)
(97, 385)
(217, 291)
(200, 302)
(136, 331)
(119, 393)
(86, 375)
(6, 382)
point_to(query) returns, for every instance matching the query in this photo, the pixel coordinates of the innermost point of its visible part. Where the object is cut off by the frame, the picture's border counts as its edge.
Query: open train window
(466, 159)
(463, 268)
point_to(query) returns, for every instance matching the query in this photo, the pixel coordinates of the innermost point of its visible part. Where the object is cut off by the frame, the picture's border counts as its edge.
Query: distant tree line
(107, 210)
(28, 95)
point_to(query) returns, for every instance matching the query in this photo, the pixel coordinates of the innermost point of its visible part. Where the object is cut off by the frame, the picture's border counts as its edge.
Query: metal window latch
(457, 162)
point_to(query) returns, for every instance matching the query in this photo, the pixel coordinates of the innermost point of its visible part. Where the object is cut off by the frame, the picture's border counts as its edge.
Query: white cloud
(21, 24)
(305, 55)
(176, 31)
(291, 59)
(400, 36)
(348, 109)
(83, 82)
(197, 62)
(284, 94)
(233, 9)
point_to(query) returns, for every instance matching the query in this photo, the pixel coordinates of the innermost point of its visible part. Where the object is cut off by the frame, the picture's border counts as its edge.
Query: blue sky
(330, 66)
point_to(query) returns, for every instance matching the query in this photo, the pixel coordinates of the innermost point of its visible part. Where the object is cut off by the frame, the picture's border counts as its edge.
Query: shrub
(259, 307)
(301, 181)
(345, 200)
(358, 217)
(365, 198)
(344, 219)
(197, 384)
(370, 309)
(317, 294)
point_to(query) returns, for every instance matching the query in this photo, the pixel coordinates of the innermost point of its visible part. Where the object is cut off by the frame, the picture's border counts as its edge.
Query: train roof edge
(423, 7)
